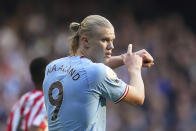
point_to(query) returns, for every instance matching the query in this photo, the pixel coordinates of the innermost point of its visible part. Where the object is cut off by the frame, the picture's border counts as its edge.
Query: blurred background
(31, 28)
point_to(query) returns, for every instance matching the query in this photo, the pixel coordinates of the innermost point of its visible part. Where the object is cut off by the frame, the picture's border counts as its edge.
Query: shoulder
(99, 71)
(25, 97)
(32, 96)
(56, 61)
(22, 101)
(95, 72)
(54, 64)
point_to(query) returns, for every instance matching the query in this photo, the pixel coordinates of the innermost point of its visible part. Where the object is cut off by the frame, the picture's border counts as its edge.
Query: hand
(148, 60)
(131, 60)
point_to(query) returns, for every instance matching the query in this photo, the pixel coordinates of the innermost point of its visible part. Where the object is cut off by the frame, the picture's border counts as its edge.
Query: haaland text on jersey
(67, 69)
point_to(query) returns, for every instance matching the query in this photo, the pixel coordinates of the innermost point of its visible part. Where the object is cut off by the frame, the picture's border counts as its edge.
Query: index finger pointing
(129, 49)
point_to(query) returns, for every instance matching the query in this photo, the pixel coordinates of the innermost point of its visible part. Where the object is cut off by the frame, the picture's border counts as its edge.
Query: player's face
(101, 44)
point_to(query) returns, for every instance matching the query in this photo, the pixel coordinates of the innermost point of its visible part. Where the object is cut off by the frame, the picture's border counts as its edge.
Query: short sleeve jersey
(75, 93)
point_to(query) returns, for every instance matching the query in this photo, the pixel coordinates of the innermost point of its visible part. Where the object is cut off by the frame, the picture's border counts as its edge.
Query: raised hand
(132, 60)
(147, 59)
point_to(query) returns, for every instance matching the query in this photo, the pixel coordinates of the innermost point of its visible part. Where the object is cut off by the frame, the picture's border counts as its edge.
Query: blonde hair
(87, 27)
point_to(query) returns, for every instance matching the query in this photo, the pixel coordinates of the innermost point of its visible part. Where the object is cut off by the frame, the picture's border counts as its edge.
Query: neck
(82, 52)
(79, 53)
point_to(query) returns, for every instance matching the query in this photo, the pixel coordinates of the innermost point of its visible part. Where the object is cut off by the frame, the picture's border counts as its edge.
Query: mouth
(108, 55)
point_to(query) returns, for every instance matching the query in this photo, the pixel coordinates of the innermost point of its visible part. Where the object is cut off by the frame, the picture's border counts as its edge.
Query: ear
(84, 41)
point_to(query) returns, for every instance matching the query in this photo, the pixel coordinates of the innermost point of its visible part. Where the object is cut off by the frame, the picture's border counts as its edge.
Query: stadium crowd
(32, 31)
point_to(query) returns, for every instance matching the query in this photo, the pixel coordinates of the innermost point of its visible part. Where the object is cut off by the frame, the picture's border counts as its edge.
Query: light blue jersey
(75, 92)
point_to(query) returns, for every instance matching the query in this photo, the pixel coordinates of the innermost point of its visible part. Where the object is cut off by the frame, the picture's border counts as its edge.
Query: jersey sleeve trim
(123, 95)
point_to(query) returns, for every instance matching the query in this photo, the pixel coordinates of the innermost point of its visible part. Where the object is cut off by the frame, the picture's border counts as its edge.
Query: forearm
(137, 82)
(114, 62)
(136, 92)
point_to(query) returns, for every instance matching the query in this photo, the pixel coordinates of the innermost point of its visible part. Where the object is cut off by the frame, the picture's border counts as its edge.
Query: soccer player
(76, 87)
(29, 113)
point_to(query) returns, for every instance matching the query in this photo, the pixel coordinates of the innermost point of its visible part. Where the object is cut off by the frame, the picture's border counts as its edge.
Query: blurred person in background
(76, 87)
(29, 113)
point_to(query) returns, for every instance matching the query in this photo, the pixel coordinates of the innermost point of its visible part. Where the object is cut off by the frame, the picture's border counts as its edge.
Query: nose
(110, 45)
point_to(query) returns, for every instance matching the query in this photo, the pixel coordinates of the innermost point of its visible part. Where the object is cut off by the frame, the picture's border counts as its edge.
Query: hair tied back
(74, 26)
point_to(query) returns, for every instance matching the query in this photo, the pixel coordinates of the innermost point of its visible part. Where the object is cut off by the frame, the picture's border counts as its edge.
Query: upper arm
(107, 84)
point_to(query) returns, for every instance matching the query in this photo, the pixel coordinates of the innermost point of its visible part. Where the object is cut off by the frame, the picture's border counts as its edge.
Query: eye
(105, 40)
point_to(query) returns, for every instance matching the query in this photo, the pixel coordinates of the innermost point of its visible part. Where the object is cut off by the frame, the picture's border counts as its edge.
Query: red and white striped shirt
(29, 110)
